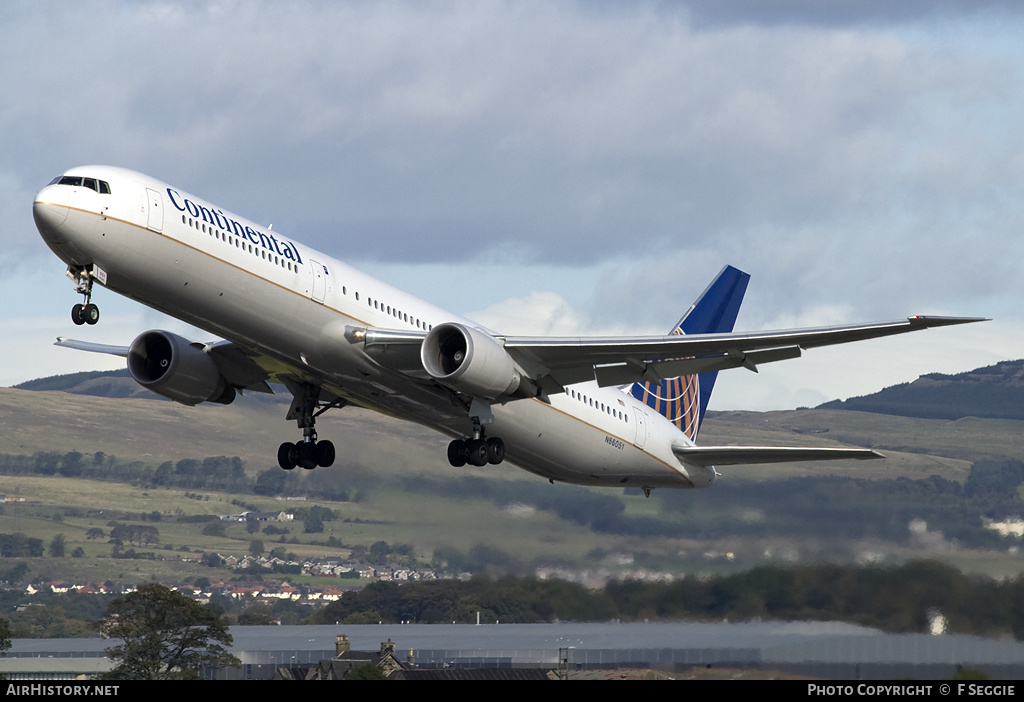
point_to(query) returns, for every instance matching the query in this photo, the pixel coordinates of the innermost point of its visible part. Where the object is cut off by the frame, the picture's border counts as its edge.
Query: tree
(71, 464)
(57, 546)
(257, 615)
(270, 482)
(165, 636)
(5, 636)
(214, 529)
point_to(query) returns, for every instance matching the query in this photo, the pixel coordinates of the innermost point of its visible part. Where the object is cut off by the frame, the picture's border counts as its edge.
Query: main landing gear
(476, 451)
(308, 453)
(85, 313)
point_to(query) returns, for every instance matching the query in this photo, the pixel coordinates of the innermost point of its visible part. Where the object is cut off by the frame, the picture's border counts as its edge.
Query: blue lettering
(170, 194)
(213, 216)
(207, 215)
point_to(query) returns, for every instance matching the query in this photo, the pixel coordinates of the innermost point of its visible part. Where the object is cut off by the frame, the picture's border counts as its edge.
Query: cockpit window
(100, 186)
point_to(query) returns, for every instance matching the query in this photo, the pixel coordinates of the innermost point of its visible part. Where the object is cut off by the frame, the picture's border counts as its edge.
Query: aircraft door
(641, 427)
(155, 204)
(319, 280)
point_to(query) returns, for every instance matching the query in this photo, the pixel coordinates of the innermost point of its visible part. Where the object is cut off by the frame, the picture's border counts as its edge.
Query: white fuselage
(264, 291)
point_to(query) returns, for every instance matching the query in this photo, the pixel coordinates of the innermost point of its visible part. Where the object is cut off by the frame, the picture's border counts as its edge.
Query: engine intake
(177, 368)
(472, 362)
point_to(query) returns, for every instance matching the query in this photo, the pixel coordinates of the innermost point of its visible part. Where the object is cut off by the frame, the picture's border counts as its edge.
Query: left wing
(109, 349)
(239, 366)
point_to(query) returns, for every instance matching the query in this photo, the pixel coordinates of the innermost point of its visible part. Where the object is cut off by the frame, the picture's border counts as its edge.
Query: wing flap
(635, 372)
(240, 367)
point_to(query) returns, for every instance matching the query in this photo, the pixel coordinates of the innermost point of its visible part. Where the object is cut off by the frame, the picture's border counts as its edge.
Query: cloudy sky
(556, 167)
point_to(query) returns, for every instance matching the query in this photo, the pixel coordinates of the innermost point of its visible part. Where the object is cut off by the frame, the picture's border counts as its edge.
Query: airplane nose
(49, 217)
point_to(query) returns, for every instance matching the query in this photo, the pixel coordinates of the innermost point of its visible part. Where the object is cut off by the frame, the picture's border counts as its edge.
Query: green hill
(400, 489)
(993, 392)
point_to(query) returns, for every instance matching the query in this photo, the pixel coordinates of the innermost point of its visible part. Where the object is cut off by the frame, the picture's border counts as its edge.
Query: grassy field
(375, 452)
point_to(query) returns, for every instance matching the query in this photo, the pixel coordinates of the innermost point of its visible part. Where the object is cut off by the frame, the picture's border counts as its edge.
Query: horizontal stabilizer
(743, 455)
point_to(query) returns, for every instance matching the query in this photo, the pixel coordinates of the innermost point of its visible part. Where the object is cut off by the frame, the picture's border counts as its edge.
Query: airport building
(820, 650)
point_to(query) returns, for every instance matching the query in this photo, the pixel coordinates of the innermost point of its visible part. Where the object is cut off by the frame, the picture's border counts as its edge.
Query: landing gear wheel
(477, 452)
(495, 450)
(286, 456)
(457, 453)
(325, 454)
(78, 314)
(91, 314)
(306, 453)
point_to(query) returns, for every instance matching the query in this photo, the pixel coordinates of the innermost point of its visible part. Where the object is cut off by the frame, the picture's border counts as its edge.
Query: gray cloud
(846, 162)
(834, 13)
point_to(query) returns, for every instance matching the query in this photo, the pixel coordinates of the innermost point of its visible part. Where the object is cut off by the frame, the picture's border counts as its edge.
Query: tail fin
(684, 400)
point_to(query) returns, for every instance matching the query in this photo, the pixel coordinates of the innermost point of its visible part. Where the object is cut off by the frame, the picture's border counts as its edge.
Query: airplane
(600, 411)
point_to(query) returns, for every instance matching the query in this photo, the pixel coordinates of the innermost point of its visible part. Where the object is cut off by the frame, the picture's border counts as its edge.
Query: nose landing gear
(86, 312)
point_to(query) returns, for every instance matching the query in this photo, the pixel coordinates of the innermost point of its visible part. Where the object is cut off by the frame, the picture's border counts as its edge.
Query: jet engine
(177, 368)
(472, 362)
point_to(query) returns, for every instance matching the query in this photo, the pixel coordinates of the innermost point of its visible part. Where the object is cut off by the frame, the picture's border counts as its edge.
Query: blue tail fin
(684, 400)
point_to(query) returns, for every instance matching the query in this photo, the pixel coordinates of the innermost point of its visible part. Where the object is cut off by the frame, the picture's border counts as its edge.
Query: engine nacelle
(174, 367)
(472, 362)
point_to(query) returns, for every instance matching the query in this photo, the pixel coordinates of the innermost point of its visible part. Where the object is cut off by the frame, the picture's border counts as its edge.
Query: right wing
(554, 362)
(621, 360)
